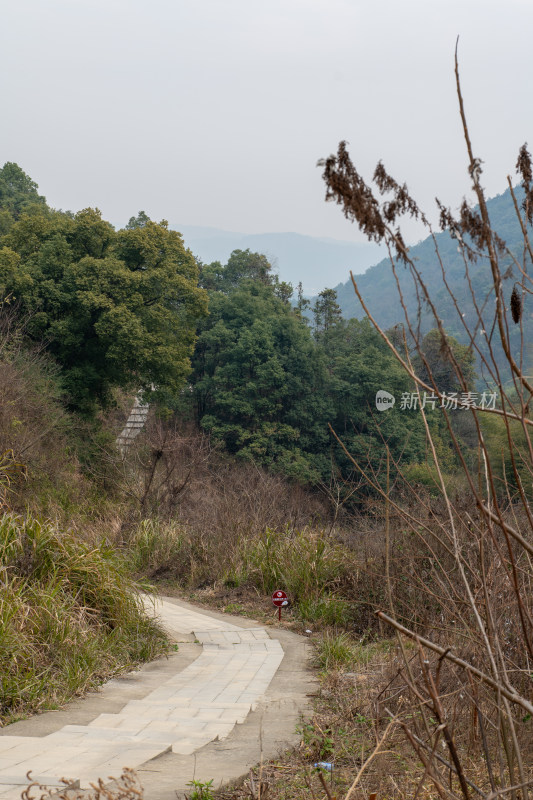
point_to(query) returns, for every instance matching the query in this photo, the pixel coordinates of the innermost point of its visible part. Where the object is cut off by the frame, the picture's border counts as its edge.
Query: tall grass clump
(304, 562)
(307, 564)
(156, 549)
(334, 650)
(329, 609)
(70, 617)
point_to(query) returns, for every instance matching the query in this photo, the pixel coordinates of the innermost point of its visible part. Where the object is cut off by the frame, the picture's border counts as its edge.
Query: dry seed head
(402, 203)
(516, 305)
(347, 188)
(525, 169)
(472, 224)
(523, 164)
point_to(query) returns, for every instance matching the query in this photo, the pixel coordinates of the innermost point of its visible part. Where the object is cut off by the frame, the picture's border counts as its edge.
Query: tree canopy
(266, 384)
(268, 376)
(259, 383)
(18, 193)
(115, 308)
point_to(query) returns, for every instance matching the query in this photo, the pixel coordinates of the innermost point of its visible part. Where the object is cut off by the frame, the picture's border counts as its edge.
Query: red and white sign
(280, 599)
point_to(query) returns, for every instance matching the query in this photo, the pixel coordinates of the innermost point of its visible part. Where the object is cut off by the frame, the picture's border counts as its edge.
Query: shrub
(304, 563)
(70, 617)
(334, 650)
(327, 610)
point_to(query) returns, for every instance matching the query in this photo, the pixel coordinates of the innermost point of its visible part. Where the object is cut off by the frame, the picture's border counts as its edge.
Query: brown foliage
(458, 573)
(33, 424)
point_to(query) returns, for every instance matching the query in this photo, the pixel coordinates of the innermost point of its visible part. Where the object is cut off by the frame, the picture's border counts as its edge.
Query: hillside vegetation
(237, 462)
(378, 285)
(71, 617)
(125, 311)
(265, 462)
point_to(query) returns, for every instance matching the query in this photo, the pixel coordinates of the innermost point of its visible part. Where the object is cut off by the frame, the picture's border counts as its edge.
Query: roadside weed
(201, 790)
(334, 650)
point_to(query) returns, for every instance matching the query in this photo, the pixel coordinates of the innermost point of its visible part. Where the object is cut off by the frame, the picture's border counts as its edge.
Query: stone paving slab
(185, 620)
(200, 704)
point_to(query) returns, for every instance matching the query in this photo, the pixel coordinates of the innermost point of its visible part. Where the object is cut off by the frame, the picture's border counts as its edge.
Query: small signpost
(280, 599)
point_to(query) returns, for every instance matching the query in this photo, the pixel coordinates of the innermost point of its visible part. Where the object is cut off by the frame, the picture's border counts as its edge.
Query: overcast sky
(215, 112)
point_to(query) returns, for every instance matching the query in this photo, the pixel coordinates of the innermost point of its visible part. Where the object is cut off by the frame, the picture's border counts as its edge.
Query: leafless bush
(196, 500)
(464, 593)
(32, 420)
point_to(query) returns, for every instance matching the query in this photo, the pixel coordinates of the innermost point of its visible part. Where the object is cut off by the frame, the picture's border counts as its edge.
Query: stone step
(232, 636)
(186, 620)
(185, 703)
(9, 742)
(187, 711)
(134, 424)
(59, 759)
(139, 730)
(177, 716)
(86, 762)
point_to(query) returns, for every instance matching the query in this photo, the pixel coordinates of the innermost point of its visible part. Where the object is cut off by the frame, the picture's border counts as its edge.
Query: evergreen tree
(114, 308)
(326, 311)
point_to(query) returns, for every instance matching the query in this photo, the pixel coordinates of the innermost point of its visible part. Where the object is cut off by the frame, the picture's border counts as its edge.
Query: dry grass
(343, 731)
(127, 787)
(70, 617)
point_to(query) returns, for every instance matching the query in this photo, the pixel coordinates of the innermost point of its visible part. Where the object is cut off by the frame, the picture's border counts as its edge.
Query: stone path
(200, 704)
(134, 425)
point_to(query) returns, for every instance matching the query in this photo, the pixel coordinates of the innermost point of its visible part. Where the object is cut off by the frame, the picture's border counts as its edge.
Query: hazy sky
(215, 112)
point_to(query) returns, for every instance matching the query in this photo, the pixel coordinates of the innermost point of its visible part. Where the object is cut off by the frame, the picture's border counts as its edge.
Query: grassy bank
(201, 525)
(70, 617)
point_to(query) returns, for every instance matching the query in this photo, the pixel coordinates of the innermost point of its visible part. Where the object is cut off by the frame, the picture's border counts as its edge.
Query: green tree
(115, 308)
(326, 311)
(359, 365)
(139, 221)
(265, 388)
(242, 266)
(18, 192)
(437, 367)
(259, 382)
(302, 303)
(282, 289)
(437, 362)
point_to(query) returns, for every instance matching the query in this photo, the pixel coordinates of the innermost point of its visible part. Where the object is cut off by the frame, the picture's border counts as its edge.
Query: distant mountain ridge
(315, 261)
(379, 289)
(378, 285)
